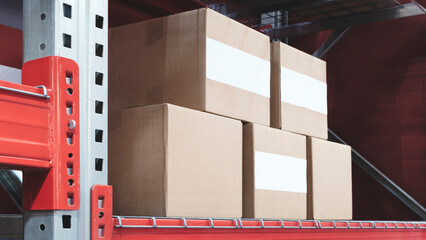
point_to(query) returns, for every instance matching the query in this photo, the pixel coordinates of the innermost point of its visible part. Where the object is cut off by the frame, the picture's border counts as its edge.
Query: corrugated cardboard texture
(240, 104)
(329, 180)
(164, 61)
(204, 164)
(237, 35)
(252, 107)
(302, 62)
(275, 104)
(137, 154)
(159, 61)
(266, 203)
(303, 121)
(291, 117)
(188, 163)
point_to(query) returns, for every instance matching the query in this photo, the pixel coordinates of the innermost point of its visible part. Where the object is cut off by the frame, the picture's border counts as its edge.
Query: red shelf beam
(131, 228)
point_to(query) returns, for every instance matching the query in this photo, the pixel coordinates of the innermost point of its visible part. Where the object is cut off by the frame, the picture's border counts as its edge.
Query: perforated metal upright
(78, 30)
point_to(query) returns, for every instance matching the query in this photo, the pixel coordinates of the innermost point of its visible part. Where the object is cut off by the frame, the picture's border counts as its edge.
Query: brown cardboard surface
(181, 162)
(237, 35)
(248, 171)
(275, 113)
(204, 175)
(219, 95)
(287, 116)
(164, 61)
(260, 203)
(329, 180)
(302, 62)
(137, 154)
(280, 205)
(158, 61)
(304, 121)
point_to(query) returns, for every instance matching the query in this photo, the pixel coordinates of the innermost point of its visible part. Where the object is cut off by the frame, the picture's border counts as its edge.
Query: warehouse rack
(64, 97)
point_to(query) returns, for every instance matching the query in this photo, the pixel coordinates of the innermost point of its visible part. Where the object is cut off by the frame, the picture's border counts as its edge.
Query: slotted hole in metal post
(99, 78)
(101, 202)
(68, 77)
(69, 91)
(98, 164)
(69, 108)
(99, 50)
(67, 10)
(98, 135)
(99, 22)
(70, 138)
(66, 40)
(101, 231)
(66, 221)
(70, 197)
(70, 170)
(99, 107)
(70, 182)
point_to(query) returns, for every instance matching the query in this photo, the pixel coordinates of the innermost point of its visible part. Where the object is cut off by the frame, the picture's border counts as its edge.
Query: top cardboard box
(198, 59)
(298, 91)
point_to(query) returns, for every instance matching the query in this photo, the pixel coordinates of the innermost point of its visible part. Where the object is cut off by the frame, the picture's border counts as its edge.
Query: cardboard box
(166, 160)
(329, 180)
(198, 59)
(298, 91)
(274, 173)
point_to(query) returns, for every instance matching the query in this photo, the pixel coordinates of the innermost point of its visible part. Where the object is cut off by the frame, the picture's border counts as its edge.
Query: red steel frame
(132, 228)
(40, 135)
(101, 212)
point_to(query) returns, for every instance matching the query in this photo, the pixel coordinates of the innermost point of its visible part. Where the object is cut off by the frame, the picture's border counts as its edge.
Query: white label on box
(279, 172)
(303, 91)
(234, 67)
(10, 74)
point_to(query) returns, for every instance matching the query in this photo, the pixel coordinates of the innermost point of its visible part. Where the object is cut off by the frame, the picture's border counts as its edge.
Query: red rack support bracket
(101, 212)
(39, 133)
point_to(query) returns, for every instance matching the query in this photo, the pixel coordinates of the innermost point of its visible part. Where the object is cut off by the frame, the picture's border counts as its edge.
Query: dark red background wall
(377, 103)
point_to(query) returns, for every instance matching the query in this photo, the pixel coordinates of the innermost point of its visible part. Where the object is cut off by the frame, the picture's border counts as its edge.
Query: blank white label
(280, 173)
(303, 91)
(234, 67)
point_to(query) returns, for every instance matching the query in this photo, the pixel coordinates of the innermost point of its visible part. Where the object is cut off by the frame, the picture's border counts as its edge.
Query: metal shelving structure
(66, 196)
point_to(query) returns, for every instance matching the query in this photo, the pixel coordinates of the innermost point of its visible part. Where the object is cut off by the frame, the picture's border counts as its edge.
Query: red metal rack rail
(129, 228)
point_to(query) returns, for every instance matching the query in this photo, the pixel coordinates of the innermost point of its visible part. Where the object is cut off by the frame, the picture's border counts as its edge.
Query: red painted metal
(10, 46)
(101, 204)
(34, 133)
(186, 228)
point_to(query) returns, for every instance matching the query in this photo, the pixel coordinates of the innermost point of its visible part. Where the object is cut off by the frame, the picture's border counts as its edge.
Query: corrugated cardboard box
(274, 173)
(329, 180)
(198, 59)
(166, 160)
(298, 91)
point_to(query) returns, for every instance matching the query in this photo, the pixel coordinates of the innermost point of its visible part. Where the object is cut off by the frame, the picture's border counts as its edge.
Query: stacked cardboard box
(299, 105)
(197, 159)
(198, 59)
(298, 92)
(171, 161)
(275, 173)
